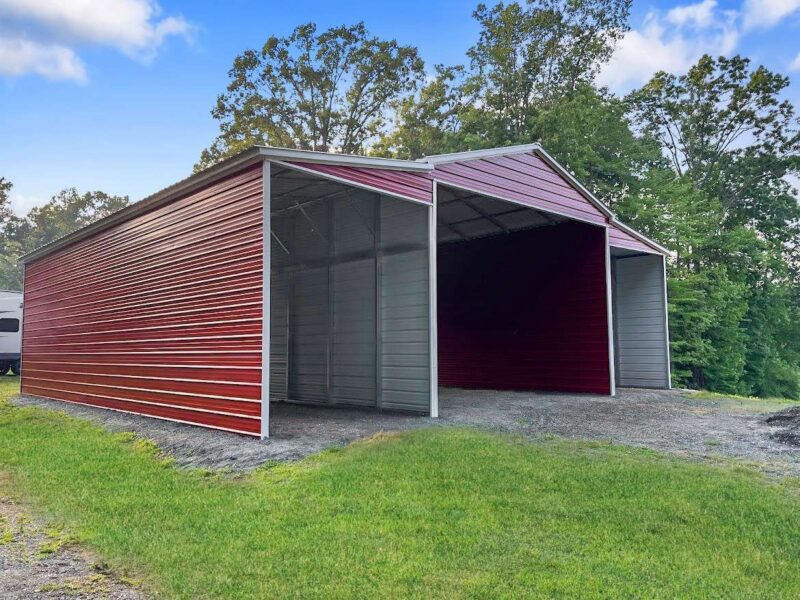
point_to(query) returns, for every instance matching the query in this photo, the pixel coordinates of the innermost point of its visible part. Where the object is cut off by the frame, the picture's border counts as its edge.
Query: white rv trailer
(10, 331)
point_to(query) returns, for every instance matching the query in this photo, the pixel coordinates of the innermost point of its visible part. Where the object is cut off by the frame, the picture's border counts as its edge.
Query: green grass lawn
(449, 513)
(753, 403)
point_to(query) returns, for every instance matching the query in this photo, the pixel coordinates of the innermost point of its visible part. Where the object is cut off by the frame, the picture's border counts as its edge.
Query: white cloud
(764, 14)
(54, 29)
(52, 61)
(663, 43)
(795, 64)
(699, 15)
(22, 204)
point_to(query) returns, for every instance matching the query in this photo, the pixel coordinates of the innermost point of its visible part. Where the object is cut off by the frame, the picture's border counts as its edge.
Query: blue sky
(115, 94)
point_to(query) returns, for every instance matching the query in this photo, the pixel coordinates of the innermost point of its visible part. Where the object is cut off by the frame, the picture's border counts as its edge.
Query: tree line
(700, 161)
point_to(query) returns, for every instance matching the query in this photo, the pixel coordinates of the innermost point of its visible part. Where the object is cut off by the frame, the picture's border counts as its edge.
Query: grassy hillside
(443, 513)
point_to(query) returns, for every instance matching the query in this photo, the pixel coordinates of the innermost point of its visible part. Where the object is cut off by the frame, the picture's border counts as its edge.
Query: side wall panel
(356, 299)
(160, 315)
(525, 311)
(405, 343)
(640, 322)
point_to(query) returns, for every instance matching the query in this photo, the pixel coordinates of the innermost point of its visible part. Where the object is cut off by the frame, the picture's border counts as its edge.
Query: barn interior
(349, 295)
(522, 301)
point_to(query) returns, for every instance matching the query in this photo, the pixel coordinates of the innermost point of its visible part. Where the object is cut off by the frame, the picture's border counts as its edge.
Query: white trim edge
(433, 323)
(265, 298)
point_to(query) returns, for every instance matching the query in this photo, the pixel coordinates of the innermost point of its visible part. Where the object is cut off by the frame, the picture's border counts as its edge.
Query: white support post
(668, 364)
(432, 303)
(265, 299)
(610, 319)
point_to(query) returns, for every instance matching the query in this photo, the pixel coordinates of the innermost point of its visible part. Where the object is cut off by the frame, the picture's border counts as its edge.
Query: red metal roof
(521, 178)
(525, 175)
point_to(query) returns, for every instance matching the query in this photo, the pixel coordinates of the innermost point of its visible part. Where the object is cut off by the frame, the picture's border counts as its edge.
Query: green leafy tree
(327, 91)
(430, 122)
(725, 126)
(529, 56)
(732, 218)
(66, 212)
(10, 248)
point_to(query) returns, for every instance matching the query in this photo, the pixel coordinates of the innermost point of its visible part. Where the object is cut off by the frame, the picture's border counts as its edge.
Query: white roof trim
(435, 159)
(349, 160)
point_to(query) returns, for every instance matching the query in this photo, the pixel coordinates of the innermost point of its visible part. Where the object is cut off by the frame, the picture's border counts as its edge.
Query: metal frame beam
(265, 298)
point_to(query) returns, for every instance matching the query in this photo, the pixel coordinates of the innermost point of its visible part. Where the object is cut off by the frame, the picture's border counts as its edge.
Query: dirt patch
(670, 421)
(37, 561)
(787, 423)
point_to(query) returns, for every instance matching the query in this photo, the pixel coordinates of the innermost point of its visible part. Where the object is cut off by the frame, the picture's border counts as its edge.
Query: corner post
(432, 303)
(265, 297)
(668, 365)
(610, 318)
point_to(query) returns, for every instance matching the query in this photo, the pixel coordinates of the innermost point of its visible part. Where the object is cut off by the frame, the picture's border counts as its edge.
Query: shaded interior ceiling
(466, 215)
(461, 215)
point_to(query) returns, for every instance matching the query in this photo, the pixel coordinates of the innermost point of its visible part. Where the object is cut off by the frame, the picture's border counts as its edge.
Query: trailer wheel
(3, 367)
(15, 368)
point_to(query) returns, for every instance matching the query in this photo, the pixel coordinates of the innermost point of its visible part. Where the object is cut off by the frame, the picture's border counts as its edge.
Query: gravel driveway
(669, 421)
(37, 562)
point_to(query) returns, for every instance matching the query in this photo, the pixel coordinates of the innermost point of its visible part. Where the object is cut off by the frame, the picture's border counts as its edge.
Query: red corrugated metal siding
(523, 178)
(160, 315)
(525, 311)
(408, 184)
(618, 238)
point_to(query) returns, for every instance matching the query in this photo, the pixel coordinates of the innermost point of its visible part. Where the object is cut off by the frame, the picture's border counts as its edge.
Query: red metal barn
(286, 275)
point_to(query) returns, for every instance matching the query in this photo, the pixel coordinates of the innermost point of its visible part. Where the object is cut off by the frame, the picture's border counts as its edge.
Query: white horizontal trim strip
(131, 412)
(136, 352)
(153, 327)
(278, 154)
(146, 365)
(159, 340)
(133, 389)
(149, 315)
(145, 377)
(435, 159)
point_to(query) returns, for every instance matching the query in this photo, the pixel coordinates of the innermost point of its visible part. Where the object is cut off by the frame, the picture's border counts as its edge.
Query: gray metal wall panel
(336, 331)
(353, 377)
(640, 322)
(405, 349)
(279, 338)
(308, 327)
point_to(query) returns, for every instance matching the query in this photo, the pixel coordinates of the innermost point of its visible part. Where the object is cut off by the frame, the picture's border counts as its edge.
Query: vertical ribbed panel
(279, 337)
(405, 348)
(159, 315)
(357, 291)
(353, 356)
(640, 322)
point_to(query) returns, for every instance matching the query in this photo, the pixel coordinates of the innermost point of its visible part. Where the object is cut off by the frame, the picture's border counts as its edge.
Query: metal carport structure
(309, 277)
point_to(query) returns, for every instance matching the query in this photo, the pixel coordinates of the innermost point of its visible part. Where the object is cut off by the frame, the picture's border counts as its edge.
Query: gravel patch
(669, 421)
(38, 562)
